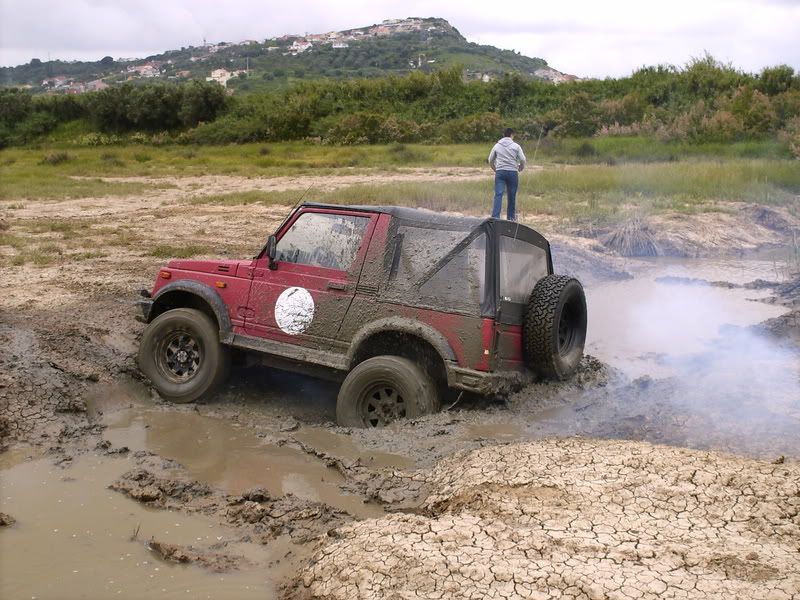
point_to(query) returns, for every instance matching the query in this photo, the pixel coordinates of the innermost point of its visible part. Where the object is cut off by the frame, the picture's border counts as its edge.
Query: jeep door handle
(337, 285)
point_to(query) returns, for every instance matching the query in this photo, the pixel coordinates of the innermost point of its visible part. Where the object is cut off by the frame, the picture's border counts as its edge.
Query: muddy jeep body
(337, 286)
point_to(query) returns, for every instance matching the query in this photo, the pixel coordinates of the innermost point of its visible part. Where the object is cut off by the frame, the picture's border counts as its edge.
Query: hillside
(393, 47)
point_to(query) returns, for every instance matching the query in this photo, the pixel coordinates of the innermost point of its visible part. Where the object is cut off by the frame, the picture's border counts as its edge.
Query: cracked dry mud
(577, 519)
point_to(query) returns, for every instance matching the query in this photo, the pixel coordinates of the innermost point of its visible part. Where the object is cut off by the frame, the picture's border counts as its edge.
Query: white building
(221, 76)
(299, 46)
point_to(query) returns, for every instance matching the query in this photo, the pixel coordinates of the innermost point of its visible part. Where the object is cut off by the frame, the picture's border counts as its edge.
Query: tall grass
(576, 192)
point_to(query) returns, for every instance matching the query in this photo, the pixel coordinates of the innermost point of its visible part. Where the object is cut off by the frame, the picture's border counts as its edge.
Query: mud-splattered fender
(201, 291)
(402, 325)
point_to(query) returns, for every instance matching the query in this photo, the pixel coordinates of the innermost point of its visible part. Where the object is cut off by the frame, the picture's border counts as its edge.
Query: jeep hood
(226, 267)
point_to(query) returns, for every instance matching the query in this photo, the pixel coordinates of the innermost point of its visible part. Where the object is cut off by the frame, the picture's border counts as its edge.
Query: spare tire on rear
(555, 327)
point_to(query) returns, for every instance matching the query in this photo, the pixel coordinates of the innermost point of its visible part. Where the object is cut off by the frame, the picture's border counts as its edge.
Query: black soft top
(421, 216)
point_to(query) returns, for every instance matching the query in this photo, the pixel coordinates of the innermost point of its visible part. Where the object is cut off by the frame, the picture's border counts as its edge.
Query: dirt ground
(459, 504)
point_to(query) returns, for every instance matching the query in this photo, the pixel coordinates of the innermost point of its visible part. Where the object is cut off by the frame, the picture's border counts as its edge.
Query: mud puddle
(231, 457)
(74, 538)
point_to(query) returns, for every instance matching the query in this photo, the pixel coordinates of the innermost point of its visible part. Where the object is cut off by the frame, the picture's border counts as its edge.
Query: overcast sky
(585, 38)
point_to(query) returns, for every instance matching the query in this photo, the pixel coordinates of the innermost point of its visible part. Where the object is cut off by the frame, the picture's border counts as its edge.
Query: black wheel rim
(381, 404)
(568, 328)
(179, 355)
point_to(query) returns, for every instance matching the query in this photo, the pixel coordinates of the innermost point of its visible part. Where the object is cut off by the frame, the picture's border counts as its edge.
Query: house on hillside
(56, 83)
(145, 70)
(553, 75)
(222, 76)
(299, 46)
(340, 45)
(221, 46)
(96, 85)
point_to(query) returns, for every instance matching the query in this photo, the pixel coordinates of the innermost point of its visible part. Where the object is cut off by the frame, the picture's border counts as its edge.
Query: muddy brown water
(231, 457)
(73, 539)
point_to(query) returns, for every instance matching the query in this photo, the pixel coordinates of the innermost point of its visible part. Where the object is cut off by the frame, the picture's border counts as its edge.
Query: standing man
(507, 160)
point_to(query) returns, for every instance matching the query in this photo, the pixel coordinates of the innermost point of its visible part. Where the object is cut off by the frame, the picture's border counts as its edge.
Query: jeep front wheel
(384, 389)
(555, 327)
(181, 355)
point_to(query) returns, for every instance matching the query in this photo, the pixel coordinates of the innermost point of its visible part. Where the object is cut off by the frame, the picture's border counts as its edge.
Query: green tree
(200, 102)
(15, 106)
(579, 116)
(774, 80)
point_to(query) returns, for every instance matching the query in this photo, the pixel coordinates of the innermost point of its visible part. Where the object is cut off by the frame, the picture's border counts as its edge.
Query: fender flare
(403, 325)
(205, 293)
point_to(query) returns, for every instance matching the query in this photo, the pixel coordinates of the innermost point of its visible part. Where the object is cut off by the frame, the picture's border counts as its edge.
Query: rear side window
(521, 266)
(323, 240)
(462, 280)
(459, 283)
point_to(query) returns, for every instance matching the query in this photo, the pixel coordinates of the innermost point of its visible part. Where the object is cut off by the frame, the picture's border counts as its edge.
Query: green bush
(358, 128)
(482, 127)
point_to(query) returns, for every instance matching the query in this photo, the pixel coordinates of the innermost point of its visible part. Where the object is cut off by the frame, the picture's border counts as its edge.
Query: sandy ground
(468, 517)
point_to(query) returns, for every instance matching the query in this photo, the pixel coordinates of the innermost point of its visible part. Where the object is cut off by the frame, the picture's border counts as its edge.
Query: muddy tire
(181, 355)
(555, 327)
(384, 389)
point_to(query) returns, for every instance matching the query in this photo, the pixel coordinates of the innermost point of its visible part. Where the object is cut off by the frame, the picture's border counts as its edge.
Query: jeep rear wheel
(555, 327)
(181, 354)
(384, 389)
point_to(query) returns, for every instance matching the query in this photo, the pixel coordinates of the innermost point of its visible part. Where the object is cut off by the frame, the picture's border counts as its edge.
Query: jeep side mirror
(272, 250)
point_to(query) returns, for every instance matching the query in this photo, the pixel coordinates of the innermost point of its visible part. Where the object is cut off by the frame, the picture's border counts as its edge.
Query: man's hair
(508, 132)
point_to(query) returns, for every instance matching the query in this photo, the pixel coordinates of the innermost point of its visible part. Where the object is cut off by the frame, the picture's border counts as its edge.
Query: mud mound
(633, 237)
(215, 561)
(578, 519)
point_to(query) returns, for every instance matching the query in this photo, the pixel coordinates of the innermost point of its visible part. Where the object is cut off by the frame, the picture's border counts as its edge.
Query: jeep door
(303, 299)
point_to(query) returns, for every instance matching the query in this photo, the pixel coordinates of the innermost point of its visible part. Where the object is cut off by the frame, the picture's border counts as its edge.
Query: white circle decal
(294, 310)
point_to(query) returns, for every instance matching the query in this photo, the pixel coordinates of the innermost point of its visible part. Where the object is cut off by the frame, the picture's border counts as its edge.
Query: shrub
(722, 126)
(579, 117)
(357, 128)
(229, 130)
(55, 158)
(774, 80)
(482, 127)
(585, 150)
(754, 110)
(401, 153)
(98, 139)
(786, 105)
(790, 135)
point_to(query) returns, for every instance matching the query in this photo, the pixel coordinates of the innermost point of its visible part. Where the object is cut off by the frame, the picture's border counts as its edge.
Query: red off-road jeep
(403, 305)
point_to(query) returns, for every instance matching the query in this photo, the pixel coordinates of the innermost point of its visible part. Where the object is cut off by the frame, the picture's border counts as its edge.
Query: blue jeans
(505, 180)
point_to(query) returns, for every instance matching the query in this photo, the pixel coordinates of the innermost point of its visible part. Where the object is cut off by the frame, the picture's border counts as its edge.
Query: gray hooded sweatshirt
(507, 155)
